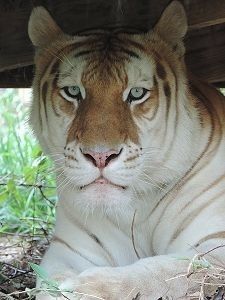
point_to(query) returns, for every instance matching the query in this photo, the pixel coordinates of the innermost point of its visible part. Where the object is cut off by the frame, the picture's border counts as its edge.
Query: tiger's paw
(105, 284)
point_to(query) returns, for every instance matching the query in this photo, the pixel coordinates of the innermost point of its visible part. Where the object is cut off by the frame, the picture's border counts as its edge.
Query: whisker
(59, 159)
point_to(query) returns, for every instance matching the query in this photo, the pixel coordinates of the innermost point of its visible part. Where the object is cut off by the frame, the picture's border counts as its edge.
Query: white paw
(104, 284)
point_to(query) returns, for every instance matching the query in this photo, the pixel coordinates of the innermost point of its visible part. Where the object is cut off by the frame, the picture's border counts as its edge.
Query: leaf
(36, 151)
(39, 271)
(39, 161)
(30, 173)
(11, 185)
(182, 258)
(3, 196)
(201, 264)
(42, 274)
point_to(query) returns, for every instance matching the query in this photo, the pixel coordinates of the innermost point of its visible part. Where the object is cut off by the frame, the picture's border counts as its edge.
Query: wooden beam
(17, 78)
(204, 13)
(206, 53)
(16, 50)
(77, 15)
(208, 64)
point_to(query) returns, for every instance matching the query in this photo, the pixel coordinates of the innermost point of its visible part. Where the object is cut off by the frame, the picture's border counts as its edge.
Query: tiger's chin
(102, 184)
(104, 197)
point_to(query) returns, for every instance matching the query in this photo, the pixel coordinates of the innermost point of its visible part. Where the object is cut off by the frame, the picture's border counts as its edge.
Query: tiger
(138, 145)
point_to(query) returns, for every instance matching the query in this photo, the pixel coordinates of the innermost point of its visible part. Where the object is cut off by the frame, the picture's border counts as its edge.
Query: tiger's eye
(72, 91)
(137, 92)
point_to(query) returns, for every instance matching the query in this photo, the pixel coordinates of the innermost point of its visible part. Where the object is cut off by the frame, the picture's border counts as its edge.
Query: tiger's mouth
(102, 181)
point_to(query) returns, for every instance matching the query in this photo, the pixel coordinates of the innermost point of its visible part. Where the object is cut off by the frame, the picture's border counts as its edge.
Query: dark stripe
(192, 215)
(55, 67)
(54, 87)
(167, 90)
(39, 107)
(137, 297)
(95, 238)
(167, 93)
(44, 96)
(108, 255)
(160, 71)
(84, 52)
(176, 100)
(175, 121)
(59, 240)
(157, 95)
(118, 49)
(129, 52)
(215, 235)
(134, 44)
(211, 113)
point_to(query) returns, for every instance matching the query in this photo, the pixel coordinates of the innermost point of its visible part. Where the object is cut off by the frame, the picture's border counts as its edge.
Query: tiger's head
(112, 109)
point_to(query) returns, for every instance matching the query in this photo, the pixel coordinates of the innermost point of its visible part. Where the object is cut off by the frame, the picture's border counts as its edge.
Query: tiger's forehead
(90, 66)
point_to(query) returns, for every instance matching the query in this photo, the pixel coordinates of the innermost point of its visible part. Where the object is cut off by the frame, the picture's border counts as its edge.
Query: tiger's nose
(101, 159)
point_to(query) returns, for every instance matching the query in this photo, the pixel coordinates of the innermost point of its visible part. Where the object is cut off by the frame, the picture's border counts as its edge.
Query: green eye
(73, 92)
(136, 93)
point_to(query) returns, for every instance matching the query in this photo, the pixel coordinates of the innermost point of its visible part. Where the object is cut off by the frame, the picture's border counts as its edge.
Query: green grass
(27, 193)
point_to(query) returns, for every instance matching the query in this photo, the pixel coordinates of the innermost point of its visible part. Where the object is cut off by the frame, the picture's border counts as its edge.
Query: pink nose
(101, 159)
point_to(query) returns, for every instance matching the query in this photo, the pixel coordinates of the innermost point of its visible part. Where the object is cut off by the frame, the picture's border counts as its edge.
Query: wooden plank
(208, 64)
(206, 53)
(204, 13)
(205, 38)
(17, 78)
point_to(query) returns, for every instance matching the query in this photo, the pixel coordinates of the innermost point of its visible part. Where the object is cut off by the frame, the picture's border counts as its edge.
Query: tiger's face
(107, 109)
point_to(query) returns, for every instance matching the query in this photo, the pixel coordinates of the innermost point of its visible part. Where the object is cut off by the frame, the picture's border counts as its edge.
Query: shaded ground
(15, 273)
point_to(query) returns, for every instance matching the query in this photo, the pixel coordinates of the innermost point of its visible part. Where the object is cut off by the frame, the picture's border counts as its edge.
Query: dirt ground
(16, 252)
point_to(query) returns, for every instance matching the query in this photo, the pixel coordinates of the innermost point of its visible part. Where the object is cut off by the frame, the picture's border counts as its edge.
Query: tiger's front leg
(146, 279)
(132, 282)
(153, 278)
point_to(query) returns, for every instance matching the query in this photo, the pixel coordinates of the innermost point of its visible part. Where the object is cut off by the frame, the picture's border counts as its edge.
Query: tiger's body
(139, 148)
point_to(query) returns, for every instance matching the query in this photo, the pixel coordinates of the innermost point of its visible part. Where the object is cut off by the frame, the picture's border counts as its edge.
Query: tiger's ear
(172, 26)
(42, 29)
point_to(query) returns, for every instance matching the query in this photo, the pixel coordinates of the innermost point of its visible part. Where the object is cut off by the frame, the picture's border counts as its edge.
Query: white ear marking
(42, 29)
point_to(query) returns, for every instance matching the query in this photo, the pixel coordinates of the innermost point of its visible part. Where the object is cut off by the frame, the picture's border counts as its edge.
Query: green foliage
(47, 285)
(27, 193)
(41, 274)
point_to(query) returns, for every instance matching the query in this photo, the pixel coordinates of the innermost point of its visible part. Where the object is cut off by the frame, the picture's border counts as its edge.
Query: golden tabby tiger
(139, 150)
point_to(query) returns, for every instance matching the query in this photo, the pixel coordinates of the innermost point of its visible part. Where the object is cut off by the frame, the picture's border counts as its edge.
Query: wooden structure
(205, 41)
